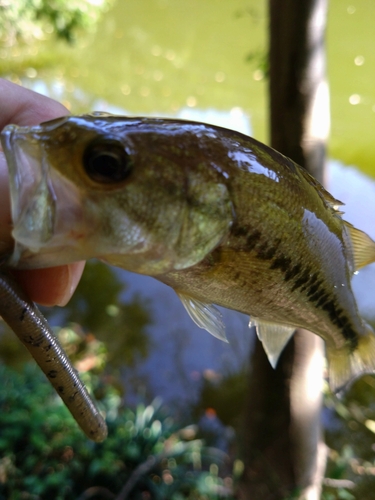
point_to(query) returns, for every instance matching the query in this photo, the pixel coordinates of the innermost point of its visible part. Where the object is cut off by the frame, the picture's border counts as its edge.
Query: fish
(221, 218)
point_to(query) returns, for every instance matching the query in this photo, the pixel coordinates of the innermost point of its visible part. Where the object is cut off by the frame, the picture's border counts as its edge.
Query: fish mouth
(43, 202)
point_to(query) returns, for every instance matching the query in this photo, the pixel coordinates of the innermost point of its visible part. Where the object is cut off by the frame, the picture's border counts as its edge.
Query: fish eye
(106, 161)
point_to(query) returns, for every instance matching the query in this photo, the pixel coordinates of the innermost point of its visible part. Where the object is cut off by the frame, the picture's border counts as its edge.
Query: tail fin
(345, 366)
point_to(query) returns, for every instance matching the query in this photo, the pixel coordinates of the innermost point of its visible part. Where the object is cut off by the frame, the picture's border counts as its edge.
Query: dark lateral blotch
(252, 240)
(282, 263)
(294, 271)
(266, 253)
(302, 280)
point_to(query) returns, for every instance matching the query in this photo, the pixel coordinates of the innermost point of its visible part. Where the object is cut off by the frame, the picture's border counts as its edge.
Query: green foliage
(351, 440)
(44, 455)
(24, 20)
(350, 435)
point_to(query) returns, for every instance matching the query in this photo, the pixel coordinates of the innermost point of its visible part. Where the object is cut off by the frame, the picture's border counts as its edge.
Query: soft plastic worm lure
(30, 326)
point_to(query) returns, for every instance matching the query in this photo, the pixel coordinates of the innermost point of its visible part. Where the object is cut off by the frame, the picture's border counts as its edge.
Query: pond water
(158, 56)
(203, 60)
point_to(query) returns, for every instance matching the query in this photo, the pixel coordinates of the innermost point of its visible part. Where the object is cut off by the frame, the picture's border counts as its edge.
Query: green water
(158, 56)
(351, 71)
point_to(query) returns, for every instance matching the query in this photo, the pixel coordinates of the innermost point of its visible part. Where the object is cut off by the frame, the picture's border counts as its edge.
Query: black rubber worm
(30, 326)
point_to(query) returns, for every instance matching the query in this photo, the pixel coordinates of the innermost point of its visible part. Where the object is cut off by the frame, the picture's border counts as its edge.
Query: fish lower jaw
(139, 263)
(29, 257)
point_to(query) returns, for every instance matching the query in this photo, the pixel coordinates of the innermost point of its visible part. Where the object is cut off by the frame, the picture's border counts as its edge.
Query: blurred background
(128, 334)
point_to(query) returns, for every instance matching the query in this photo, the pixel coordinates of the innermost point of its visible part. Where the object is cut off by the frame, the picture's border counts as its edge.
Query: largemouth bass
(214, 214)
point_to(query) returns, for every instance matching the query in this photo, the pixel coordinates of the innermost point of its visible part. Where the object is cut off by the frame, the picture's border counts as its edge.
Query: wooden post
(284, 454)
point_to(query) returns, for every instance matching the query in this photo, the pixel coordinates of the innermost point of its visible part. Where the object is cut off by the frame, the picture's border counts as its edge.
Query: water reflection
(182, 354)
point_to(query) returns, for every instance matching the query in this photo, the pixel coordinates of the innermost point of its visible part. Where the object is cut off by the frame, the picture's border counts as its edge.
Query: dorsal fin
(362, 246)
(206, 316)
(330, 200)
(273, 336)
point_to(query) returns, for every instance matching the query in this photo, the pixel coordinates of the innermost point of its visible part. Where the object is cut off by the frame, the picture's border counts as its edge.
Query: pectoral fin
(273, 336)
(206, 316)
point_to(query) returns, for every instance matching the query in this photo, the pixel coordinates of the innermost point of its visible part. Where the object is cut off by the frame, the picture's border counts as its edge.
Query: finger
(21, 106)
(25, 107)
(51, 286)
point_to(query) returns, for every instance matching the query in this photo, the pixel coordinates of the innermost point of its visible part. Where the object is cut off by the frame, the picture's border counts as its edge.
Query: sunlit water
(163, 55)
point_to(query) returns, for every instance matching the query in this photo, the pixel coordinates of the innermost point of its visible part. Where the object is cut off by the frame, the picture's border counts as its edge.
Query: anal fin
(206, 316)
(273, 336)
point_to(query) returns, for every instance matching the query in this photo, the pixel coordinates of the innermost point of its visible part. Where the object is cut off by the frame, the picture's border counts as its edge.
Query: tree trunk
(284, 454)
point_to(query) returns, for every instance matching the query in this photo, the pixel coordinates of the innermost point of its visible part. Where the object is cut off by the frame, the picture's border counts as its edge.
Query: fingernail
(74, 273)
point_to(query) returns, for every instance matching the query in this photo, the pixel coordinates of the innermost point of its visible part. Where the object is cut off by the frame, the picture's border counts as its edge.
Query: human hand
(52, 286)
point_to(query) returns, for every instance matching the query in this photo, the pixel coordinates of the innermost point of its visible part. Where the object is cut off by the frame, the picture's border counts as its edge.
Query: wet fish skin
(133, 225)
(216, 215)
